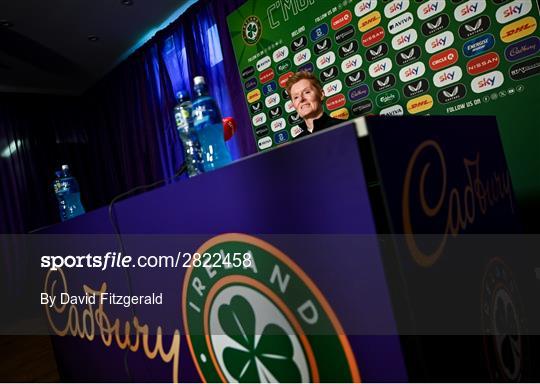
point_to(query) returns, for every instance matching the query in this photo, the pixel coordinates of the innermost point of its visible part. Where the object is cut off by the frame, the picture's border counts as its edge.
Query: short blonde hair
(303, 75)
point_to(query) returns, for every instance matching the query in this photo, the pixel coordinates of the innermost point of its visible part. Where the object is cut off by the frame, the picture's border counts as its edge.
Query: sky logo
(431, 8)
(412, 72)
(280, 54)
(380, 67)
(404, 39)
(302, 57)
(364, 7)
(259, 119)
(351, 64)
(487, 82)
(469, 9)
(332, 88)
(513, 11)
(439, 42)
(447, 76)
(278, 124)
(326, 60)
(272, 100)
(395, 8)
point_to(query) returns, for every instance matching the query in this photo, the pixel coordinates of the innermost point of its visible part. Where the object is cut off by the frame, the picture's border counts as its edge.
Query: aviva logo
(262, 321)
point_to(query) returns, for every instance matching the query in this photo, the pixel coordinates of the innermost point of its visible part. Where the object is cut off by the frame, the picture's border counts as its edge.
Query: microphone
(229, 127)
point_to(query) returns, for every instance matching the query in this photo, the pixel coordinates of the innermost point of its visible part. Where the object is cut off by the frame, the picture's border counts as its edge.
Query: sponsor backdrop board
(471, 57)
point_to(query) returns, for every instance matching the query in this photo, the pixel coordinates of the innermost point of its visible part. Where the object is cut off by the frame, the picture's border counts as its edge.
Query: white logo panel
(412, 72)
(351, 64)
(265, 142)
(469, 9)
(447, 76)
(280, 54)
(513, 11)
(439, 42)
(404, 39)
(400, 23)
(380, 67)
(333, 88)
(263, 63)
(487, 82)
(364, 7)
(302, 57)
(396, 7)
(326, 60)
(431, 8)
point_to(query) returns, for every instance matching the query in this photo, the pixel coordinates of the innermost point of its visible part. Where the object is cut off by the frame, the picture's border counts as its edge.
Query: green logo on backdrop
(387, 98)
(262, 322)
(251, 30)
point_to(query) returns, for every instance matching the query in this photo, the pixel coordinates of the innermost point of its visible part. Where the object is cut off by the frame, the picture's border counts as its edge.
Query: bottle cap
(198, 80)
(65, 167)
(182, 95)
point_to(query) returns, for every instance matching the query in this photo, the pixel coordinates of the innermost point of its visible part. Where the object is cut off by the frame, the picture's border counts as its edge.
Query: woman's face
(306, 99)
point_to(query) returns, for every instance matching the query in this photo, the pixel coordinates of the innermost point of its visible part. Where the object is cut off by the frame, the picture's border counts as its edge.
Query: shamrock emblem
(252, 358)
(251, 31)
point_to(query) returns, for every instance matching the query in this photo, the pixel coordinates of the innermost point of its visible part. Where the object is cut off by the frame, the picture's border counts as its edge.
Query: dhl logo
(438, 42)
(468, 9)
(342, 114)
(518, 29)
(420, 104)
(430, 8)
(486, 82)
(369, 21)
(253, 96)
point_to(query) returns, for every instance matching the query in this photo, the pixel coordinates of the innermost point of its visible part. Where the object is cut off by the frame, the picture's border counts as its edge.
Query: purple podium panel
(309, 300)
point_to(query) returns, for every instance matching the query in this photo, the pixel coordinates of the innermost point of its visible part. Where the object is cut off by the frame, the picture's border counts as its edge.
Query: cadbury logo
(522, 49)
(359, 93)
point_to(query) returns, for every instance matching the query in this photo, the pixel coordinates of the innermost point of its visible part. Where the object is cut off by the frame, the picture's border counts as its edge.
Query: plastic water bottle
(59, 191)
(68, 194)
(209, 127)
(186, 131)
